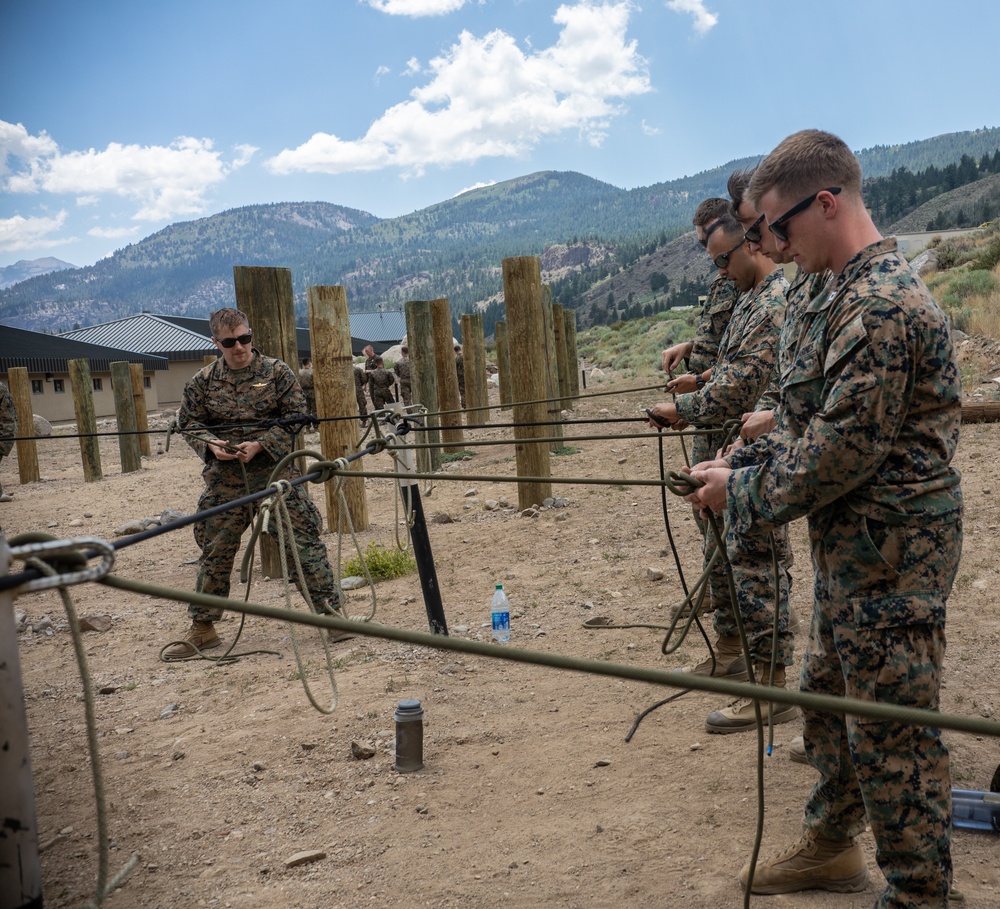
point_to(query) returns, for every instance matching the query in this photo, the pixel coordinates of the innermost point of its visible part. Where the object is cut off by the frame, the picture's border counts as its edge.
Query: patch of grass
(382, 563)
(456, 456)
(566, 450)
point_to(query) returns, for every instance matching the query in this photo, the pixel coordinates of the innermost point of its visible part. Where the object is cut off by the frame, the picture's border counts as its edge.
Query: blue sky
(119, 118)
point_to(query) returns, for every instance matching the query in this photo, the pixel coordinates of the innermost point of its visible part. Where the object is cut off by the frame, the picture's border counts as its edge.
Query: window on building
(58, 386)
(147, 382)
(98, 384)
(37, 387)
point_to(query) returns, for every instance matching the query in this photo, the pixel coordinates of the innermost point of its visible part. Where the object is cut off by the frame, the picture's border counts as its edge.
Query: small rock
(99, 623)
(121, 755)
(20, 619)
(129, 528)
(461, 629)
(421, 809)
(442, 518)
(76, 522)
(623, 460)
(178, 755)
(695, 747)
(562, 517)
(548, 502)
(986, 710)
(603, 762)
(304, 858)
(502, 501)
(307, 746)
(654, 574)
(352, 582)
(559, 502)
(169, 710)
(43, 624)
(362, 752)
(169, 515)
(469, 493)
(598, 829)
(258, 766)
(491, 505)
(107, 689)
(986, 489)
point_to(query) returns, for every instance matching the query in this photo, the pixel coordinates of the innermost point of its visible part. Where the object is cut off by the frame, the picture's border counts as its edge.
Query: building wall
(57, 406)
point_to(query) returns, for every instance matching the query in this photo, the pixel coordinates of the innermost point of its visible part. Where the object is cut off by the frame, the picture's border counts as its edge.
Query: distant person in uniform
(380, 382)
(222, 406)
(402, 370)
(8, 429)
(359, 391)
(460, 369)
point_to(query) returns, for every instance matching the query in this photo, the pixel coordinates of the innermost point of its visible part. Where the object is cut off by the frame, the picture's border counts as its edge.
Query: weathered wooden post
(474, 355)
(554, 404)
(503, 365)
(559, 330)
(86, 421)
(27, 449)
(522, 287)
(572, 357)
(423, 381)
(128, 441)
(265, 295)
(479, 341)
(139, 403)
(333, 374)
(447, 376)
(20, 870)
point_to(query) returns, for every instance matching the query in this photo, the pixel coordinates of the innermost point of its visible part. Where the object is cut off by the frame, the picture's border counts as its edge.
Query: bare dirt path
(216, 775)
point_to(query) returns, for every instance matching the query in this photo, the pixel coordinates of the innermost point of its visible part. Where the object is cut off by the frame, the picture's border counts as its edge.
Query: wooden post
(447, 376)
(27, 450)
(474, 356)
(265, 295)
(333, 373)
(479, 340)
(572, 357)
(559, 330)
(503, 365)
(128, 442)
(86, 421)
(423, 380)
(20, 870)
(139, 403)
(554, 405)
(522, 287)
(981, 413)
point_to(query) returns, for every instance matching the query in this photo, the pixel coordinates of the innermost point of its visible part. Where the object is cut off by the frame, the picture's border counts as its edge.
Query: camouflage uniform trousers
(753, 577)
(406, 393)
(878, 635)
(219, 538)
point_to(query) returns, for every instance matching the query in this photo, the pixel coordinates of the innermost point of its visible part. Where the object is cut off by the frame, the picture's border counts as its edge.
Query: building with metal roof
(46, 358)
(380, 329)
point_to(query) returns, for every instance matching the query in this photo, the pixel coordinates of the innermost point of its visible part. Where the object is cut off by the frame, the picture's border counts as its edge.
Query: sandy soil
(530, 795)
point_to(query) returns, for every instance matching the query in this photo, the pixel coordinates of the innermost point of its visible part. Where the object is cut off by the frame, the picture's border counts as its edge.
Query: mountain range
(585, 230)
(21, 271)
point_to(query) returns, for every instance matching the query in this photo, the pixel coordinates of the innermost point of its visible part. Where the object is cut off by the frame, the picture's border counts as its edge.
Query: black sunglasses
(752, 233)
(777, 226)
(722, 260)
(230, 343)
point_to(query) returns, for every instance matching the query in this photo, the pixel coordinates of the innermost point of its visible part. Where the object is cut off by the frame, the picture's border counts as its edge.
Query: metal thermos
(409, 718)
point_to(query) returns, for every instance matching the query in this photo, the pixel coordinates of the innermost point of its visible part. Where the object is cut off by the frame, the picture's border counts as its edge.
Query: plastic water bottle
(501, 615)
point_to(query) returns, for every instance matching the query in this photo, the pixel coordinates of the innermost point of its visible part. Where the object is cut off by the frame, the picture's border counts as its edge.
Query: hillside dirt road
(216, 776)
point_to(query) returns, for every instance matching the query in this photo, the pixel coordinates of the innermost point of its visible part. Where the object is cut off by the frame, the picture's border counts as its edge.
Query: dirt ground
(217, 775)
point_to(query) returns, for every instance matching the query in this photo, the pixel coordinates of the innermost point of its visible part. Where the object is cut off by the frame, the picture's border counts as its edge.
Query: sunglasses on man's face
(230, 343)
(722, 260)
(777, 227)
(752, 233)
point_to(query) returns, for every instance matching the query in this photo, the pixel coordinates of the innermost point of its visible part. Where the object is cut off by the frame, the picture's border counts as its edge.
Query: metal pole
(409, 489)
(20, 871)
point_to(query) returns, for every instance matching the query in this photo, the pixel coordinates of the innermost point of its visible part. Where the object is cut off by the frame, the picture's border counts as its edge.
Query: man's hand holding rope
(710, 496)
(241, 451)
(665, 414)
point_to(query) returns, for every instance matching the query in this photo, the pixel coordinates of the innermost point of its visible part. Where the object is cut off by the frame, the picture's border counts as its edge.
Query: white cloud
(30, 233)
(112, 233)
(416, 8)
(650, 130)
(469, 189)
(381, 71)
(412, 67)
(164, 181)
(704, 21)
(487, 98)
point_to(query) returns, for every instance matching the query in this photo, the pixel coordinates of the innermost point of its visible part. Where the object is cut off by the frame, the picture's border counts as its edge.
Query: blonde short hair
(227, 318)
(804, 163)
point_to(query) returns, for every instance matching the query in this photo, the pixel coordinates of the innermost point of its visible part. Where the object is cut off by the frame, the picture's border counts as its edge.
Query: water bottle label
(501, 621)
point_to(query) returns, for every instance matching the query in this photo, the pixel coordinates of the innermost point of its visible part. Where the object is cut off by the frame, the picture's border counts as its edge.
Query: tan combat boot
(740, 716)
(201, 636)
(815, 862)
(334, 635)
(797, 750)
(729, 662)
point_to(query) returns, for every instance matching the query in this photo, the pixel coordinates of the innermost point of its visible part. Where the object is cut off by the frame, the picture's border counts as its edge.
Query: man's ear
(829, 204)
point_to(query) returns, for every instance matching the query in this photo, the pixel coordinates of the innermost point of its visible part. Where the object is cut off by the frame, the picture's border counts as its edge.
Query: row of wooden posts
(536, 360)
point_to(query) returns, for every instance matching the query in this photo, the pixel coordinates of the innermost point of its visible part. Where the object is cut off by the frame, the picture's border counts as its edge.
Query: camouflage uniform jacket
(460, 369)
(381, 381)
(8, 421)
(715, 316)
(217, 400)
(360, 380)
(370, 363)
(870, 407)
(402, 370)
(747, 354)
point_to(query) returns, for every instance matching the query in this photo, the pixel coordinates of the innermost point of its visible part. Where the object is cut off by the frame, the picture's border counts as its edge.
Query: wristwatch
(698, 380)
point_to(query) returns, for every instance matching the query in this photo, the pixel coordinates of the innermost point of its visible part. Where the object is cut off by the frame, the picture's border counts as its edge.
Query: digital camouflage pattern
(380, 382)
(359, 390)
(746, 359)
(715, 316)
(8, 421)
(460, 369)
(221, 403)
(402, 370)
(867, 427)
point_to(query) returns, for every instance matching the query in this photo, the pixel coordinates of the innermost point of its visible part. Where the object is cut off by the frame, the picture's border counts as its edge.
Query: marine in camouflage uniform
(223, 402)
(380, 383)
(402, 370)
(460, 369)
(359, 391)
(868, 425)
(8, 428)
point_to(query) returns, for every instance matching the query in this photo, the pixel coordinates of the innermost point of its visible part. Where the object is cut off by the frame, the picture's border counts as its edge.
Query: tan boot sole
(176, 655)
